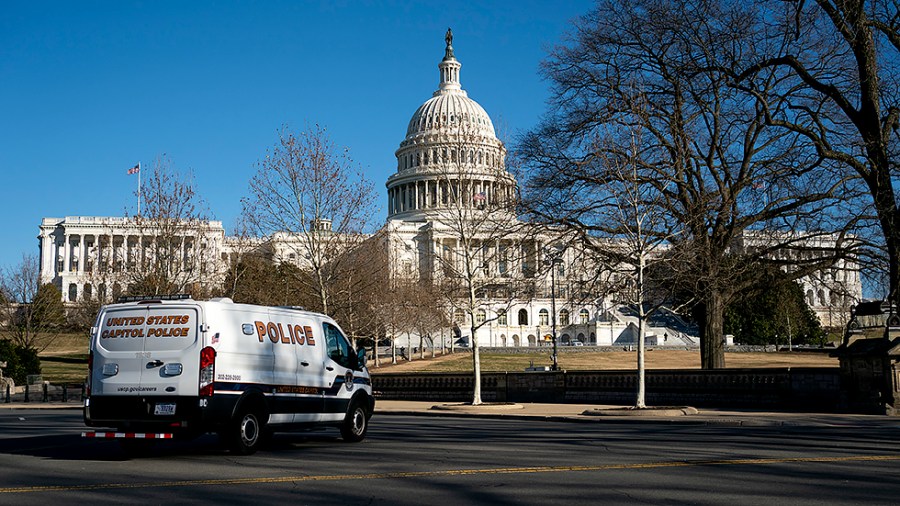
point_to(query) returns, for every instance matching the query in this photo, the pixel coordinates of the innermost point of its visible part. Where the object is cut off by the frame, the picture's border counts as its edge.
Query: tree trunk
(476, 364)
(640, 403)
(712, 348)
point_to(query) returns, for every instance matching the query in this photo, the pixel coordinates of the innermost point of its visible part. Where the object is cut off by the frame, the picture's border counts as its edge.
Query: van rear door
(147, 349)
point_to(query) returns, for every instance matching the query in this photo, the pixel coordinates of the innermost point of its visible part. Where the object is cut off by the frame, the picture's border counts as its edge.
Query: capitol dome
(450, 150)
(450, 110)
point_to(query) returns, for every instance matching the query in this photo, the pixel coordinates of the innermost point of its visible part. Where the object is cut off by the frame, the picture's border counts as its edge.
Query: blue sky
(90, 88)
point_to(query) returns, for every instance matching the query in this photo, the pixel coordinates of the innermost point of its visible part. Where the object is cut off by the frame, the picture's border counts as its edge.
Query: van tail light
(207, 371)
(90, 376)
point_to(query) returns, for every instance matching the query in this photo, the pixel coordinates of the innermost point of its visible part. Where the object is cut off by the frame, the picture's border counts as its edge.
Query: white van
(172, 366)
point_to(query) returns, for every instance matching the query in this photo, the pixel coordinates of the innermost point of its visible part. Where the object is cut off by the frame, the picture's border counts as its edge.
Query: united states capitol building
(89, 257)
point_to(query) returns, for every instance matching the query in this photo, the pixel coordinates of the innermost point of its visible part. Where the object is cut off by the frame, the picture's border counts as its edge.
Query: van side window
(337, 347)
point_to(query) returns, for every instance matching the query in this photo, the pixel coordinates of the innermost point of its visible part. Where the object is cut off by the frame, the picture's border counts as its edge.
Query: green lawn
(68, 368)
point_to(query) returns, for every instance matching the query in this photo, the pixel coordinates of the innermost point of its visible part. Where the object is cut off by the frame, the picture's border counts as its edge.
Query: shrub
(20, 361)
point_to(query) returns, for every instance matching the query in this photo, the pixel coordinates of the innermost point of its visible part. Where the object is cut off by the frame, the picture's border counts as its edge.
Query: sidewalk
(590, 413)
(593, 413)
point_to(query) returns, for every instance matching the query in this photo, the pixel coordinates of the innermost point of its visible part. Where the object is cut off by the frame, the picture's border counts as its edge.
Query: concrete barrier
(807, 388)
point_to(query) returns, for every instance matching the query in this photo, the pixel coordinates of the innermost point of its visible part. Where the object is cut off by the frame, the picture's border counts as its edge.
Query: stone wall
(793, 388)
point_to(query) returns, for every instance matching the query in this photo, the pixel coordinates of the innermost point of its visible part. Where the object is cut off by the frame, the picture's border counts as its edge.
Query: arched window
(501, 317)
(543, 317)
(88, 291)
(564, 317)
(73, 292)
(523, 317)
(480, 316)
(458, 316)
(583, 316)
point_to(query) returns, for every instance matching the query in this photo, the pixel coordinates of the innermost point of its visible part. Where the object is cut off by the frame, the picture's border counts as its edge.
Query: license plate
(164, 409)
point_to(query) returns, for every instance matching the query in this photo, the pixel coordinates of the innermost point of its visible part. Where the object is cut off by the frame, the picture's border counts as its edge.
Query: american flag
(135, 169)
(480, 197)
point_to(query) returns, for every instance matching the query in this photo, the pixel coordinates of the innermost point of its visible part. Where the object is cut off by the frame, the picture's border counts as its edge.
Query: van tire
(356, 423)
(246, 433)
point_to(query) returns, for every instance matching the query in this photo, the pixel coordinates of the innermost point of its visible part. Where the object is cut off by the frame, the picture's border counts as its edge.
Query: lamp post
(552, 259)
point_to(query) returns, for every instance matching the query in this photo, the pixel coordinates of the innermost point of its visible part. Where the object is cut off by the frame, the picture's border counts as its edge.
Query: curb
(598, 419)
(643, 412)
(39, 405)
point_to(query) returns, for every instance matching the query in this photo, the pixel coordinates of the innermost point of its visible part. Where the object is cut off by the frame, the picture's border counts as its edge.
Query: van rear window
(148, 328)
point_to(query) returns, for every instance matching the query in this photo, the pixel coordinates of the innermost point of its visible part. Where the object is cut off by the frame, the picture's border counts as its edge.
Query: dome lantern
(449, 68)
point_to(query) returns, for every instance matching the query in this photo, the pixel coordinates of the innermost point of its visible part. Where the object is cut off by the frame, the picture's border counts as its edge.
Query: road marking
(449, 472)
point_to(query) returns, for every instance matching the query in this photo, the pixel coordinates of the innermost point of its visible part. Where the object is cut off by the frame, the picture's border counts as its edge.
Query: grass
(69, 368)
(64, 357)
(65, 360)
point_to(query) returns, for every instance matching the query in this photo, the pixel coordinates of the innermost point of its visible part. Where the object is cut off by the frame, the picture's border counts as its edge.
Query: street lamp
(552, 258)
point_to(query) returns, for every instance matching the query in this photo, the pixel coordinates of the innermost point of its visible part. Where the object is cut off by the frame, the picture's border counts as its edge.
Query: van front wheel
(356, 423)
(246, 432)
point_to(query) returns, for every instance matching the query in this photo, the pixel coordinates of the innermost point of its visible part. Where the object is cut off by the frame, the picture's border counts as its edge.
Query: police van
(162, 367)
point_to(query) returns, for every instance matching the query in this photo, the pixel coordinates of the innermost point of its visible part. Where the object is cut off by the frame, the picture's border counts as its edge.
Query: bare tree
(477, 239)
(33, 313)
(308, 195)
(720, 171)
(172, 251)
(633, 209)
(426, 315)
(246, 254)
(839, 62)
(359, 283)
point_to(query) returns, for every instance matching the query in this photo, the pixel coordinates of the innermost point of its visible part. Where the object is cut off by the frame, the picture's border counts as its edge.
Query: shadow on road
(74, 447)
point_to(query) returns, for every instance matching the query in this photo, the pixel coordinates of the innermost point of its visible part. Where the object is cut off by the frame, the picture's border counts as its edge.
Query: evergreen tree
(773, 313)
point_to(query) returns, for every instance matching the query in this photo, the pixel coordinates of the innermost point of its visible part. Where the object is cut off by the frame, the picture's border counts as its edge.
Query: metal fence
(43, 392)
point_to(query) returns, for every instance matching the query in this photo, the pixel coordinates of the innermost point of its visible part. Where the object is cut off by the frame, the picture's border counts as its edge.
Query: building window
(564, 317)
(480, 316)
(523, 317)
(583, 316)
(543, 317)
(501, 317)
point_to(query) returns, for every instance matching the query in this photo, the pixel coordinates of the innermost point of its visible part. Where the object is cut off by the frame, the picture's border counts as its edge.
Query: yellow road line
(449, 472)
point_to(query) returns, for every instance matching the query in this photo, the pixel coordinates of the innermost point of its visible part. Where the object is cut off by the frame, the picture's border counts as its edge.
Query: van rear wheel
(246, 432)
(355, 424)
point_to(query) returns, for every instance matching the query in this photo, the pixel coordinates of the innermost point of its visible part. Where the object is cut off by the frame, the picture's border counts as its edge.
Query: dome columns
(430, 194)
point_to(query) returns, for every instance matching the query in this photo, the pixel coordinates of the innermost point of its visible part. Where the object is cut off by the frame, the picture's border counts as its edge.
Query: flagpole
(139, 190)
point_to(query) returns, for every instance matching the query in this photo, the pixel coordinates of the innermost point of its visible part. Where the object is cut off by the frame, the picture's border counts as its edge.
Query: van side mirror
(361, 358)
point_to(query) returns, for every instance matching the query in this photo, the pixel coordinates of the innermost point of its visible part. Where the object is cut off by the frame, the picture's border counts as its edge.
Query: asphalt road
(449, 461)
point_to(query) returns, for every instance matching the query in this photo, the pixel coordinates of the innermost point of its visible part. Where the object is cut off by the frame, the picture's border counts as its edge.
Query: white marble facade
(92, 257)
